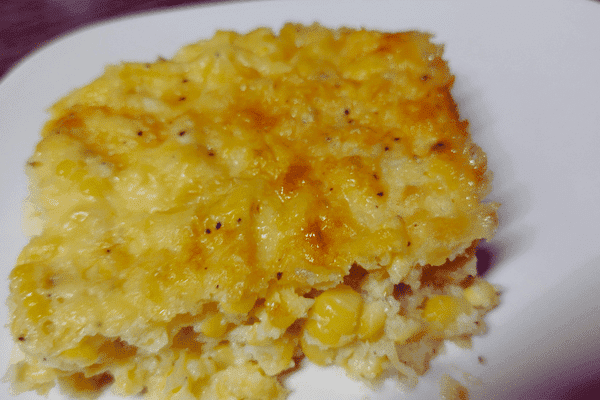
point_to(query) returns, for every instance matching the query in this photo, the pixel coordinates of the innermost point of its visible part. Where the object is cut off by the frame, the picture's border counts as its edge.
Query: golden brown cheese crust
(213, 196)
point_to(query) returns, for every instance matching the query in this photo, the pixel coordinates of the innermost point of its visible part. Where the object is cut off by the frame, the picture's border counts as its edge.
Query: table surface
(28, 24)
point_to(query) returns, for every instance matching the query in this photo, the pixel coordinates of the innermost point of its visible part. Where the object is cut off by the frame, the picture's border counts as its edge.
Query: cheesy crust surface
(258, 198)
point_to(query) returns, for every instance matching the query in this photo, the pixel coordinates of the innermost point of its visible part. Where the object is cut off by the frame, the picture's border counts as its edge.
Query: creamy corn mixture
(211, 219)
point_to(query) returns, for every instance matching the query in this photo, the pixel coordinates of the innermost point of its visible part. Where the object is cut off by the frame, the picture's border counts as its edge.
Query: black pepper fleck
(207, 231)
(239, 220)
(346, 111)
(182, 98)
(181, 133)
(439, 146)
(386, 148)
(380, 194)
(218, 225)
(140, 133)
(396, 139)
(279, 275)
(211, 153)
(21, 338)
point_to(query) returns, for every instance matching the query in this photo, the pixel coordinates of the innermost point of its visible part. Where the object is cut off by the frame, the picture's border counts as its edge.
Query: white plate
(527, 77)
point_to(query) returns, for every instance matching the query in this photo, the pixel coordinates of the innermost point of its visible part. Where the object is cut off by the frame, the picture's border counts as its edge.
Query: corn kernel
(223, 356)
(93, 186)
(335, 314)
(37, 306)
(241, 306)
(199, 367)
(284, 306)
(214, 326)
(372, 321)
(65, 167)
(443, 309)
(85, 350)
(25, 277)
(316, 354)
(481, 294)
(78, 175)
(279, 316)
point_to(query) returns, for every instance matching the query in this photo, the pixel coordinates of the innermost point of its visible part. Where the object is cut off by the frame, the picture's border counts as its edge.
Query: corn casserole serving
(212, 219)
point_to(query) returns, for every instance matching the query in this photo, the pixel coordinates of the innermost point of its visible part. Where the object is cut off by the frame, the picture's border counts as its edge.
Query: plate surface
(526, 78)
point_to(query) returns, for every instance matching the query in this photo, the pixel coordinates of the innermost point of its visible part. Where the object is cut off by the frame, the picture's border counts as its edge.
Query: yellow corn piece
(335, 314)
(25, 277)
(284, 306)
(214, 326)
(65, 168)
(37, 306)
(77, 175)
(316, 354)
(223, 356)
(443, 309)
(372, 321)
(86, 350)
(481, 294)
(279, 316)
(241, 306)
(93, 186)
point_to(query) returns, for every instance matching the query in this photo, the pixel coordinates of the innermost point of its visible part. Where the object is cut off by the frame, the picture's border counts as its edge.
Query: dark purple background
(28, 24)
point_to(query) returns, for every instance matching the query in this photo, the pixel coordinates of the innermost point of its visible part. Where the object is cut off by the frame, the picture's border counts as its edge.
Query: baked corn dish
(211, 220)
